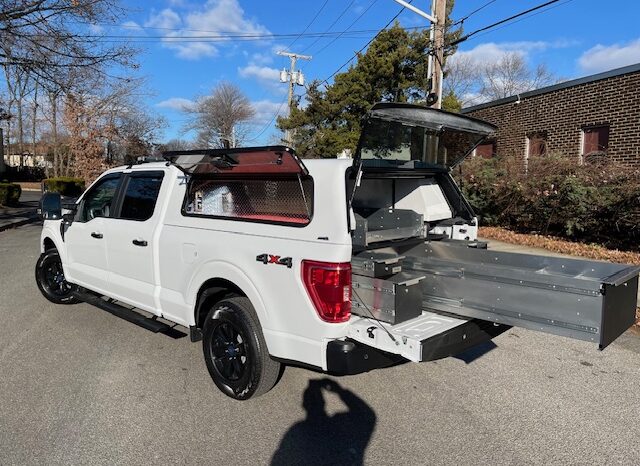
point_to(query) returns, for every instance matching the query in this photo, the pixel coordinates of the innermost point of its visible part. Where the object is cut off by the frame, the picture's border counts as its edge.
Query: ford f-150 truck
(339, 265)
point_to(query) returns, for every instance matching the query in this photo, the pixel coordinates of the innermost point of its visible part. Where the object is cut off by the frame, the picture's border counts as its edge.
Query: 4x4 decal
(271, 259)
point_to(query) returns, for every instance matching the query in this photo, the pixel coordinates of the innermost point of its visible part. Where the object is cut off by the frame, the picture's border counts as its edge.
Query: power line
(275, 115)
(469, 15)
(332, 24)
(231, 37)
(310, 23)
(365, 46)
(527, 17)
(502, 21)
(455, 42)
(349, 27)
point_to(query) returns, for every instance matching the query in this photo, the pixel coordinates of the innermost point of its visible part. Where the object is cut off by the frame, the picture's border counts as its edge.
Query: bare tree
(42, 37)
(176, 144)
(511, 75)
(462, 75)
(106, 126)
(219, 119)
(472, 81)
(18, 85)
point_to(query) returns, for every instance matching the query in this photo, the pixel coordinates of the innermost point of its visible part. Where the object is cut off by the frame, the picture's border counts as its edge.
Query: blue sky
(574, 38)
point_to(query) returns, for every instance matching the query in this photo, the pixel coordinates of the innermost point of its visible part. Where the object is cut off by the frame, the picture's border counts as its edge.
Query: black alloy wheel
(229, 352)
(51, 280)
(235, 350)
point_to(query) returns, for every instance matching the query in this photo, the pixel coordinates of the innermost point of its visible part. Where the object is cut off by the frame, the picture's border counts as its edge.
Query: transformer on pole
(294, 78)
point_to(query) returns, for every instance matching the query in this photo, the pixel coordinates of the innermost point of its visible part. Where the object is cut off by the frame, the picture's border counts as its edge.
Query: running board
(130, 315)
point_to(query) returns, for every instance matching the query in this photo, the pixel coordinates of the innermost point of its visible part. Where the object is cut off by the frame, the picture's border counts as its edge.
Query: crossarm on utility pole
(417, 10)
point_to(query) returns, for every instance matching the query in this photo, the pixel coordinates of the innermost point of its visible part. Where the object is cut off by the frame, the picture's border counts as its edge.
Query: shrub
(65, 185)
(10, 194)
(25, 173)
(595, 202)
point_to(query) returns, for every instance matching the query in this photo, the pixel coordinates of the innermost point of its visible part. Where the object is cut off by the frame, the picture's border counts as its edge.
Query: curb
(18, 223)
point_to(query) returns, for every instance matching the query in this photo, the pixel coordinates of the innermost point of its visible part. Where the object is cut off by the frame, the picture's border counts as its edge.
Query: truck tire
(51, 281)
(235, 350)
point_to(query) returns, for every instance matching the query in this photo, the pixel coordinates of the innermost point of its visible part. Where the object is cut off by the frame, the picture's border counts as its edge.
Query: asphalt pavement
(80, 386)
(25, 212)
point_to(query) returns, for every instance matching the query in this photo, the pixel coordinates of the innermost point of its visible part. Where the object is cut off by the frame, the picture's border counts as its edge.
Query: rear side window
(277, 200)
(140, 196)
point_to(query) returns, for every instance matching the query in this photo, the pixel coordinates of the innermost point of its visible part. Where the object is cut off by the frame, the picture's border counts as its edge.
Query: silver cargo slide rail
(582, 299)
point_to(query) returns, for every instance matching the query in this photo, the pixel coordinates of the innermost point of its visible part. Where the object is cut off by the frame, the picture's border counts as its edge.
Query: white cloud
(493, 52)
(176, 103)
(213, 16)
(166, 19)
(265, 109)
(266, 76)
(131, 26)
(261, 73)
(603, 58)
(96, 28)
(261, 58)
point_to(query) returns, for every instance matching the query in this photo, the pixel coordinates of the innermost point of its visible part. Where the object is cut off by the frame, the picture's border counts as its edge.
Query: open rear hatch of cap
(240, 161)
(407, 136)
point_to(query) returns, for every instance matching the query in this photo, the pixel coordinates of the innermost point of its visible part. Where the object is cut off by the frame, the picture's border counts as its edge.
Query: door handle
(139, 242)
(96, 234)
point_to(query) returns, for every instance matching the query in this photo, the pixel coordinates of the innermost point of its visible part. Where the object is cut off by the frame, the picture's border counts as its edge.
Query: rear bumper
(349, 357)
(460, 339)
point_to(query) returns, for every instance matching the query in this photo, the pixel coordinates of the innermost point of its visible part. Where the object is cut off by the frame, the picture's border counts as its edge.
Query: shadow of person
(322, 439)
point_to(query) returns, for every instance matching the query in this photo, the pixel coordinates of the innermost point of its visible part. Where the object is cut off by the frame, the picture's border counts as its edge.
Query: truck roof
(313, 165)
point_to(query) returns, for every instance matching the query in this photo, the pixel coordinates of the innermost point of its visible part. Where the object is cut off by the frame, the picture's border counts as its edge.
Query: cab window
(140, 196)
(99, 201)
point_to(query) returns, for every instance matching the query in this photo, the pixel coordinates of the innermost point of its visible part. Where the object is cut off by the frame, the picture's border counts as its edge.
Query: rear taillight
(329, 287)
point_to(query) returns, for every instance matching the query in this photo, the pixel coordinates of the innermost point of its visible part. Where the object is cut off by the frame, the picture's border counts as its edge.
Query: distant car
(340, 265)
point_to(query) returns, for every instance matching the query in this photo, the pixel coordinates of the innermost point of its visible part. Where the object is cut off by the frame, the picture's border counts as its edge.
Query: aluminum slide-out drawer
(582, 299)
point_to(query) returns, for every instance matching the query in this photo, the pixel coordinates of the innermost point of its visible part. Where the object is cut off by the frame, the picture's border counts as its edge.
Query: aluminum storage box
(376, 264)
(394, 299)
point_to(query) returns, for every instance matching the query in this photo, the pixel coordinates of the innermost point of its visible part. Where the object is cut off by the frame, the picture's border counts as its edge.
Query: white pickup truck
(338, 265)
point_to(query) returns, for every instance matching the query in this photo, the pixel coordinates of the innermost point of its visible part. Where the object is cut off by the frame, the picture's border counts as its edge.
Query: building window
(536, 144)
(595, 140)
(486, 150)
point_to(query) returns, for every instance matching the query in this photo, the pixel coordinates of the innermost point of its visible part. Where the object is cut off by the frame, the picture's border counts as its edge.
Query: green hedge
(596, 202)
(9, 194)
(65, 185)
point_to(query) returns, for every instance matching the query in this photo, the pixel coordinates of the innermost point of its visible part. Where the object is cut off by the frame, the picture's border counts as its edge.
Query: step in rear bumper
(349, 357)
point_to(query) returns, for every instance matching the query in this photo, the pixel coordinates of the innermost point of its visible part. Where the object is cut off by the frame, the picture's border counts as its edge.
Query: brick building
(598, 114)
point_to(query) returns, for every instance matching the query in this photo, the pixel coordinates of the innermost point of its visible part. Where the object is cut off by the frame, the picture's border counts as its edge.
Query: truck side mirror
(50, 206)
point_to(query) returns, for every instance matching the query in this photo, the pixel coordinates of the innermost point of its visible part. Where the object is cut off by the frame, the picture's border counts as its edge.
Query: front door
(87, 264)
(130, 242)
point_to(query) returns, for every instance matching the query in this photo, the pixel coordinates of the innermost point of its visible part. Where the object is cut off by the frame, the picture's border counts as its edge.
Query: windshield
(393, 142)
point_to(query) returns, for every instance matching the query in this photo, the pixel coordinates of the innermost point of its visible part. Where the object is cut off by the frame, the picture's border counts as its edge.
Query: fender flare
(231, 273)
(52, 233)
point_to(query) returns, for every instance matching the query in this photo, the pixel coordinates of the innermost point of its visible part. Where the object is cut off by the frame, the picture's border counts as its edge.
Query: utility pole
(3, 116)
(440, 13)
(293, 77)
(437, 18)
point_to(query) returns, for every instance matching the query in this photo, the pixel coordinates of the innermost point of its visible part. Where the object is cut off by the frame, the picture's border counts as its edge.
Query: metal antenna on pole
(294, 78)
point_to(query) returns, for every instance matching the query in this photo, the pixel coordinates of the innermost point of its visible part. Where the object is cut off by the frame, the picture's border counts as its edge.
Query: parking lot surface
(80, 386)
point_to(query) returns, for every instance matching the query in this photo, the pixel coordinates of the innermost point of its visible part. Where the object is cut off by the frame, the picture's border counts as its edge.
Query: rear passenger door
(131, 240)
